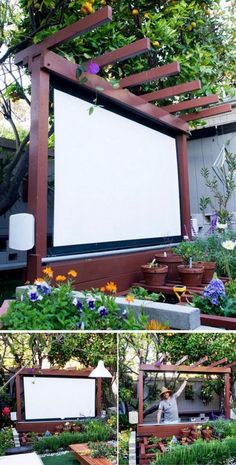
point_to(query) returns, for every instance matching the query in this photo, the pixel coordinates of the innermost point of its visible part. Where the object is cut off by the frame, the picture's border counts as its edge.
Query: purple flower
(78, 304)
(102, 311)
(91, 303)
(34, 296)
(44, 288)
(158, 363)
(93, 68)
(215, 291)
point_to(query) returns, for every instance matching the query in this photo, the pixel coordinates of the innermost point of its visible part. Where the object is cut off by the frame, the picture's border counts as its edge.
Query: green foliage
(124, 447)
(100, 432)
(222, 186)
(200, 453)
(6, 440)
(58, 309)
(226, 307)
(102, 449)
(190, 249)
(142, 294)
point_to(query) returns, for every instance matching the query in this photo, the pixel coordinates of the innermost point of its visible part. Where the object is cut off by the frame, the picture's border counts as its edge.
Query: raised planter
(191, 277)
(218, 321)
(154, 276)
(172, 261)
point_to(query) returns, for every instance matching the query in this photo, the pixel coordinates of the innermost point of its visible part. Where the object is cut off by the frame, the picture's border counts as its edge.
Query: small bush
(6, 440)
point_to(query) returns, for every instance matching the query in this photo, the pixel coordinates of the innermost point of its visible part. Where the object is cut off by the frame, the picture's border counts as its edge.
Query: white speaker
(21, 231)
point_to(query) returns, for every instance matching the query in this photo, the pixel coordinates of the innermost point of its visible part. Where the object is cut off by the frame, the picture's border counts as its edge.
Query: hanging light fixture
(100, 371)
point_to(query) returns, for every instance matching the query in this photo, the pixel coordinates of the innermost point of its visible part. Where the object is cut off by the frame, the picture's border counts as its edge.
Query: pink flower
(93, 68)
(6, 411)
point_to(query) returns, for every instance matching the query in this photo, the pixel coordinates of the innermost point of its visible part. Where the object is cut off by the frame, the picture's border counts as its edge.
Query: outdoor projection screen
(58, 398)
(115, 179)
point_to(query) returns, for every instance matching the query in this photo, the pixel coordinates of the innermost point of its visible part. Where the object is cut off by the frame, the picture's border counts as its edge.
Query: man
(168, 404)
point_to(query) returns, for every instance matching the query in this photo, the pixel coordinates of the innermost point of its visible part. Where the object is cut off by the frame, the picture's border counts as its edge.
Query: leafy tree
(198, 34)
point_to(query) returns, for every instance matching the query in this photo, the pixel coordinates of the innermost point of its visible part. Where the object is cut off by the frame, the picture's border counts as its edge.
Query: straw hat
(164, 390)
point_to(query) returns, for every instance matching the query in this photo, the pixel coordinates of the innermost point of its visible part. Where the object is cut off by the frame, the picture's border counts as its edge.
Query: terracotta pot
(155, 276)
(172, 261)
(209, 269)
(191, 277)
(185, 432)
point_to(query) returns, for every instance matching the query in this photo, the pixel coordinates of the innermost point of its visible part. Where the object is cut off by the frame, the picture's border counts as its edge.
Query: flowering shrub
(215, 300)
(46, 307)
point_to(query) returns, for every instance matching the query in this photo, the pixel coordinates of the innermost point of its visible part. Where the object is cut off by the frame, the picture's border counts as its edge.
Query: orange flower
(102, 289)
(60, 278)
(48, 271)
(154, 325)
(72, 273)
(111, 287)
(39, 280)
(129, 298)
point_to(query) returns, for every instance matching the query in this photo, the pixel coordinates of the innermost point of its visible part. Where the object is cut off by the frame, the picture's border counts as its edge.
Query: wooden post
(99, 396)
(227, 395)
(184, 185)
(140, 396)
(38, 166)
(18, 397)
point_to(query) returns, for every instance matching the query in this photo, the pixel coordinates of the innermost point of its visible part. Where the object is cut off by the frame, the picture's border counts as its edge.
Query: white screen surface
(48, 398)
(115, 179)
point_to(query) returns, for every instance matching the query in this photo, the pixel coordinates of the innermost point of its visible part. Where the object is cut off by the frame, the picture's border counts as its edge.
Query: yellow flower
(228, 245)
(154, 325)
(48, 271)
(72, 273)
(102, 289)
(60, 278)
(129, 298)
(111, 287)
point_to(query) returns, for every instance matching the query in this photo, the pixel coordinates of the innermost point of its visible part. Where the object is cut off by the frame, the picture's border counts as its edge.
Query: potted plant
(154, 274)
(191, 275)
(172, 260)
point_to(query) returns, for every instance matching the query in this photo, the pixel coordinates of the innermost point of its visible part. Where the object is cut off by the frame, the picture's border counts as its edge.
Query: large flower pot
(172, 261)
(191, 277)
(209, 269)
(154, 276)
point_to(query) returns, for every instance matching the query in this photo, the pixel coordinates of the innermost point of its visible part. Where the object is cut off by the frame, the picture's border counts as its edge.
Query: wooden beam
(218, 110)
(172, 91)
(227, 396)
(140, 396)
(219, 362)
(183, 359)
(151, 75)
(59, 66)
(193, 103)
(136, 48)
(82, 26)
(182, 149)
(185, 369)
(38, 166)
(200, 362)
(233, 364)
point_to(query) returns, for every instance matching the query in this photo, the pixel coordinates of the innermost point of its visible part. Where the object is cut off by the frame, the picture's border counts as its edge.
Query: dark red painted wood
(184, 369)
(218, 110)
(184, 185)
(38, 164)
(136, 48)
(218, 321)
(82, 26)
(67, 70)
(172, 91)
(193, 103)
(146, 76)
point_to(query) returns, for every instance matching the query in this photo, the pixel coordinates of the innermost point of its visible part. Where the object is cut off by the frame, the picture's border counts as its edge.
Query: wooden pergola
(164, 430)
(41, 426)
(44, 64)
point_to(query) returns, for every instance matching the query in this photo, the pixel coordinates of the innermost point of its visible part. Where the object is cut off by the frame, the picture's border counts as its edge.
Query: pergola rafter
(193, 103)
